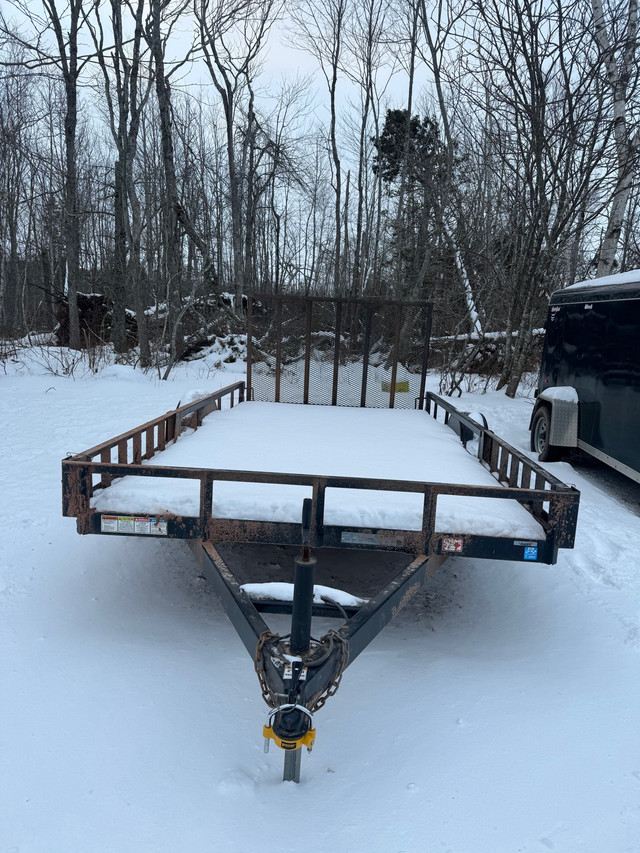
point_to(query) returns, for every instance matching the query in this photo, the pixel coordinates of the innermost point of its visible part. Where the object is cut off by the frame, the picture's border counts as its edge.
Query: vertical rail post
(137, 448)
(538, 506)
(278, 346)
(502, 466)
(307, 352)
(150, 442)
(301, 612)
(336, 353)
(397, 321)
(206, 503)
(105, 456)
(365, 356)
(425, 352)
(317, 522)
(514, 470)
(162, 435)
(429, 507)
(249, 342)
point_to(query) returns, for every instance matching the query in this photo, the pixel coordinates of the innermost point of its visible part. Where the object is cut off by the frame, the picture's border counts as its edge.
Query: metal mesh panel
(345, 352)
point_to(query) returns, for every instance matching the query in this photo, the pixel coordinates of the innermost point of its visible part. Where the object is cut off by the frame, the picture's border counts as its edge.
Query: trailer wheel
(540, 432)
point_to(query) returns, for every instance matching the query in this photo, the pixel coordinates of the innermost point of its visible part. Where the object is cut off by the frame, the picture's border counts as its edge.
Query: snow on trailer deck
(324, 441)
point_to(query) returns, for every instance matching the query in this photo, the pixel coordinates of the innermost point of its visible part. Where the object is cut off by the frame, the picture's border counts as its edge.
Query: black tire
(540, 432)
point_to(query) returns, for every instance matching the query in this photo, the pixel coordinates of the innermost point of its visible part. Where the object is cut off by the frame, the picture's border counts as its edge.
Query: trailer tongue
(131, 485)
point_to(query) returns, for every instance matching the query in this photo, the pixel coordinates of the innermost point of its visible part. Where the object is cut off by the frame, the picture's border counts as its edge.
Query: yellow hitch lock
(290, 727)
(307, 740)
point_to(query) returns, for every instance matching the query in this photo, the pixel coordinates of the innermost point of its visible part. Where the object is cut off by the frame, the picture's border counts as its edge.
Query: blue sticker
(531, 553)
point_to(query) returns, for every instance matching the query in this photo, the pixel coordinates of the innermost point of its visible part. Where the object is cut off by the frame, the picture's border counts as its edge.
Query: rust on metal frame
(553, 504)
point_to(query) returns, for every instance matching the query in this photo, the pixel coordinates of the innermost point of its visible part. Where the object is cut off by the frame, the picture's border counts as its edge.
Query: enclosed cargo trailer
(588, 394)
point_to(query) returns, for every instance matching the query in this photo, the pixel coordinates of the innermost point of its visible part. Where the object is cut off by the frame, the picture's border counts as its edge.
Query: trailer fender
(562, 402)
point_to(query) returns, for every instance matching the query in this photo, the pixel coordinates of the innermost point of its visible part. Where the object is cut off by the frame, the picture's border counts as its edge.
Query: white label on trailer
(453, 545)
(126, 524)
(350, 537)
(524, 543)
(142, 525)
(288, 672)
(158, 527)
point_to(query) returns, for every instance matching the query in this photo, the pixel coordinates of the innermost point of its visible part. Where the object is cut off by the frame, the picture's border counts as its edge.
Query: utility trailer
(386, 479)
(588, 394)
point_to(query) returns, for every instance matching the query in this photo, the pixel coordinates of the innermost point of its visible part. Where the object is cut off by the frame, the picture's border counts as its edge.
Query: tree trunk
(119, 270)
(618, 76)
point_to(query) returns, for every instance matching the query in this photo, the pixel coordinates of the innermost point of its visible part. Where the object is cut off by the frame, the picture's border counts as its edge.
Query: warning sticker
(157, 527)
(108, 523)
(453, 545)
(126, 524)
(140, 525)
(531, 553)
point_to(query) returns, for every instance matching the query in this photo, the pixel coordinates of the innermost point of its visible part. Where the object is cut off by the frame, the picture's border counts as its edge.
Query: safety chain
(267, 693)
(332, 688)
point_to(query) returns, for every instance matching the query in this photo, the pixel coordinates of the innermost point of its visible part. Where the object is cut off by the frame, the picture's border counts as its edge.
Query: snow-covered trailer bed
(379, 478)
(226, 473)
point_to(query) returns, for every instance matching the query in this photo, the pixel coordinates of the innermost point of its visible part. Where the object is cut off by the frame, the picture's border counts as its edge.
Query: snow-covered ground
(499, 713)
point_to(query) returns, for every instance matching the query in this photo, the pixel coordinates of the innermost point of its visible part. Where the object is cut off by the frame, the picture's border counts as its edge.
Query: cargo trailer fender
(562, 403)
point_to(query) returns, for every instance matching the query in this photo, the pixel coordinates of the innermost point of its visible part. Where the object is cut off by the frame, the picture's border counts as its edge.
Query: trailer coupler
(290, 727)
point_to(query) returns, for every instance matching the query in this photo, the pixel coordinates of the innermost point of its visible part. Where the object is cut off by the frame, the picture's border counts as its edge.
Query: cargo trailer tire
(540, 432)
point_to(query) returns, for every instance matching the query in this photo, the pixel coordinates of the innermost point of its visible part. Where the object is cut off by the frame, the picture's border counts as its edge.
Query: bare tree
(438, 27)
(232, 36)
(17, 118)
(125, 95)
(64, 23)
(365, 41)
(162, 17)
(618, 43)
(532, 65)
(320, 27)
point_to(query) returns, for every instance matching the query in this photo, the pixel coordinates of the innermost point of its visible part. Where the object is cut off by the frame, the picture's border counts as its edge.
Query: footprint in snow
(236, 781)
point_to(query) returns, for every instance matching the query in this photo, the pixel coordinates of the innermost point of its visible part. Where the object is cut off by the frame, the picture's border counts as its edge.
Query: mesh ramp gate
(340, 352)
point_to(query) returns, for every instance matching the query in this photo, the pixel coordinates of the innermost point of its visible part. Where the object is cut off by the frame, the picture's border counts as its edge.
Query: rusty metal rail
(550, 502)
(125, 453)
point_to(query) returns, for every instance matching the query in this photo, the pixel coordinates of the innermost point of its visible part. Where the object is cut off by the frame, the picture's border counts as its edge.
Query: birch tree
(365, 37)
(618, 40)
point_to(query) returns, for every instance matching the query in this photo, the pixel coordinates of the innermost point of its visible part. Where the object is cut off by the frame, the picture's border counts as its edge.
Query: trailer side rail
(513, 470)
(551, 503)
